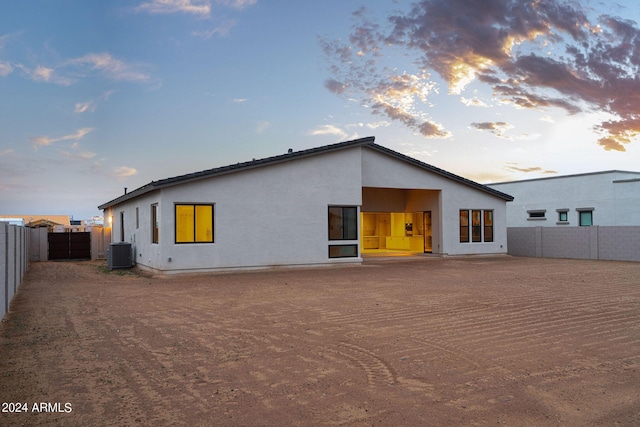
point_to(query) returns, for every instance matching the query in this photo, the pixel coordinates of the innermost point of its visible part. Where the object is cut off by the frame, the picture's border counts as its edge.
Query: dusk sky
(96, 96)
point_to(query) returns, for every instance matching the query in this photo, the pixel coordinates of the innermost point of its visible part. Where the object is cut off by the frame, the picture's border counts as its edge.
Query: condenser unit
(119, 255)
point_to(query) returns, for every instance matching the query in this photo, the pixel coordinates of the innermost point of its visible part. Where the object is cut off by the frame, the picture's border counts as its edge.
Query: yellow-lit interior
(204, 223)
(184, 223)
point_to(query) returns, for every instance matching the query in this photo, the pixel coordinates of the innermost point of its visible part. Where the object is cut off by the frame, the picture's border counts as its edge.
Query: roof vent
(290, 150)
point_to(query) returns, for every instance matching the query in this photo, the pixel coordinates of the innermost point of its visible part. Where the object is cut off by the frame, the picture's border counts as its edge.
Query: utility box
(119, 255)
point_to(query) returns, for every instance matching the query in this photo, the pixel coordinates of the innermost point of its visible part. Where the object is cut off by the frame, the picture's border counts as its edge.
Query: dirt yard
(403, 342)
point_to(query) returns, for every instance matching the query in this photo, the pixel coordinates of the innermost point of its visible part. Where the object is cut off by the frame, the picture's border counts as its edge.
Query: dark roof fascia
(575, 175)
(367, 141)
(441, 172)
(181, 179)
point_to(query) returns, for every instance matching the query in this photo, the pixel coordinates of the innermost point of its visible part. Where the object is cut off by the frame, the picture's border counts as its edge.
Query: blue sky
(97, 96)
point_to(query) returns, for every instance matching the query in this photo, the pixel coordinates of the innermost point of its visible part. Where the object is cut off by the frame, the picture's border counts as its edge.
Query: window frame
(563, 213)
(486, 227)
(155, 226)
(473, 226)
(343, 228)
(582, 211)
(537, 215)
(122, 226)
(465, 235)
(195, 223)
(340, 255)
(476, 226)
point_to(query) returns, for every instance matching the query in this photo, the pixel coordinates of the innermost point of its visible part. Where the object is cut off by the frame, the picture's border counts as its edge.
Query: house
(324, 205)
(609, 198)
(587, 216)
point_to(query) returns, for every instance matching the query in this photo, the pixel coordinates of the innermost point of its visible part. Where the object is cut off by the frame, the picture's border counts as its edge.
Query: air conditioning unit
(119, 255)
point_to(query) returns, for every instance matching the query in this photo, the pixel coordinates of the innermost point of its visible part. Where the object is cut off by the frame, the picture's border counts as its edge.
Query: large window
(476, 226)
(343, 223)
(155, 225)
(194, 223)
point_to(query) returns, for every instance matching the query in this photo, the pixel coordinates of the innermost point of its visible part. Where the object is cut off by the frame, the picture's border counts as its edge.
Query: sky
(99, 96)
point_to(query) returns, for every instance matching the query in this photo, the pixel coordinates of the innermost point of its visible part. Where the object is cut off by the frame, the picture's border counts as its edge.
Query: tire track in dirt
(378, 372)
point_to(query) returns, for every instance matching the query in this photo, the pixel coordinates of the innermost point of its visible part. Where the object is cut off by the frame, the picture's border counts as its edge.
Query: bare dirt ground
(407, 342)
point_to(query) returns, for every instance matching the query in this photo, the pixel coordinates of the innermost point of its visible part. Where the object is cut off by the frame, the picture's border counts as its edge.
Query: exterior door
(426, 226)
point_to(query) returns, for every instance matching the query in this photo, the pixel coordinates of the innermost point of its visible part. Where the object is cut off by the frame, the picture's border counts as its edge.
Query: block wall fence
(14, 260)
(616, 243)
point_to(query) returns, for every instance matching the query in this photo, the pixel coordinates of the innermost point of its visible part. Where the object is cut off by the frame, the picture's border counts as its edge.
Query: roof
(293, 155)
(575, 176)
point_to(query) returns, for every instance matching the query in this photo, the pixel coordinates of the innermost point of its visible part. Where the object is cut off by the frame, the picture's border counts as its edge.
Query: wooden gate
(69, 245)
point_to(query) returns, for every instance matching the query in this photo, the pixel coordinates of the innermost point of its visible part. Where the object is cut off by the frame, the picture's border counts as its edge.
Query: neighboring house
(588, 216)
(38, 220)
(318, 206)
(598, 198)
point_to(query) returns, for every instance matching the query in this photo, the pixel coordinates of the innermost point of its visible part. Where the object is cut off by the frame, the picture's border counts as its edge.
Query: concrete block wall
(621, 243)
(14, 260)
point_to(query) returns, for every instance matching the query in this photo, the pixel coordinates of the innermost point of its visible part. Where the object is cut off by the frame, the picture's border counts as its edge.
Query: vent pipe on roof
(290, 150)
(125, 190)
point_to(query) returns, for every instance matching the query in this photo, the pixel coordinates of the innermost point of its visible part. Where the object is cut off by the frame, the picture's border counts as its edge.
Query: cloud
(497, 128)
(85, 155)
(328, 130)
(5, 69)
(473, 102)
(263, 126)
(123, 172)
(221, 30)
(194, 7)
(45, 74)
(92, 105)
(237, 4)
(535, 55)
(531, 169)
(42, 141)
(77, 68)
(111, 67)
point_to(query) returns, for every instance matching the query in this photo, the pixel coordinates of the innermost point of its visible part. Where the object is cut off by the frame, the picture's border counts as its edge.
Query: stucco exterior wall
(277, 214)
(383, 171)
(272, 215)
(614, 197)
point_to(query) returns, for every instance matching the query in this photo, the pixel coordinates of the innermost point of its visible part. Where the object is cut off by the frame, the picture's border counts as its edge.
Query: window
(488, 226)
(464, 226)
(343, 223)
(479, 229)
(563, 215)
(137, 218)
(122, 226)
(343, 251)
(539, 214)
(194, 223)
(155, 225)
(585, 217)
(476, 224)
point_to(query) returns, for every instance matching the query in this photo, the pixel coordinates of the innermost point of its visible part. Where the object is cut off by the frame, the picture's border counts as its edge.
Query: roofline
(565, 176)
(367, 141)
(223, 170)
(442, 172)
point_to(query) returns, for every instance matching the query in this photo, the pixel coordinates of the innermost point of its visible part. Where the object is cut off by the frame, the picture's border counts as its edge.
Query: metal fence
(14, 260)
(619, 243)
